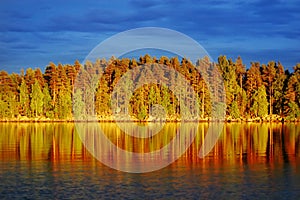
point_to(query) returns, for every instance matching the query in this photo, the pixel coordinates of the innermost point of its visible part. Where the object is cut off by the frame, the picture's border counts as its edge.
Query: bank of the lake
(111, 118)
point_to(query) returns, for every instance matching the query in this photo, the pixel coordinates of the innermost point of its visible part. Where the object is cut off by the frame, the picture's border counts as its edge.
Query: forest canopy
(263, 91)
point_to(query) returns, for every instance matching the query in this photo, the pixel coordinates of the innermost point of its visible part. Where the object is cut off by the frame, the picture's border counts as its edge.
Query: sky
(34, 33)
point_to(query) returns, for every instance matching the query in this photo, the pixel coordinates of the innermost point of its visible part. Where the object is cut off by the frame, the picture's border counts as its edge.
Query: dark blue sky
(33, 33)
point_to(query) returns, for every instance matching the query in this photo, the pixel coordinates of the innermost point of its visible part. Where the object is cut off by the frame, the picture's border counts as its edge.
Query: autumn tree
(278, 90)
(255, 92)
(252, 83)
(78, 105)
(292, 94)
(268, 76)
(228, 71)
(47, 103)
(24, 100)
(37, 99)
(241, 97)
(8, 96)
(51, 78)
(259, 103)
(102, 98)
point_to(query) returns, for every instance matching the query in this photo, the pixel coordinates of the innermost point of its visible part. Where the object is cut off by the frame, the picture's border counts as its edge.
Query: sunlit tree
(37, 99)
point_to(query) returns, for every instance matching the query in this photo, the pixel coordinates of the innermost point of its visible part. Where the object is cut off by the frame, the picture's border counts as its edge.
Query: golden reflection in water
(40, 141)
(254, 143)
(136, 154)
(239, 142)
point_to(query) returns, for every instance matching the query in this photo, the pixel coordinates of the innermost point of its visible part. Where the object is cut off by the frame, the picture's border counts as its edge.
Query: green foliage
(8, 104)
(37, 99)
(278, 88)
(256, 92)
(3, 107)
(218, 109)
(78, 105)
(241, 100)
(63, 107)
(165, 94)
(138, 105)
(293, 111)
(102, 98)
(259, 105)
(24, 100)
(268, 77)
(142, 113)
(234, 110)
(47, 103)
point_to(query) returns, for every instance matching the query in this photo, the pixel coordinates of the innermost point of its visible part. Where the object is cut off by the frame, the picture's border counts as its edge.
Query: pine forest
(261, 92)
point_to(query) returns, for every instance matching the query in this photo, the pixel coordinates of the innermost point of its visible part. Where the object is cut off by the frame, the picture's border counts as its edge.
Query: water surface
(249, 161)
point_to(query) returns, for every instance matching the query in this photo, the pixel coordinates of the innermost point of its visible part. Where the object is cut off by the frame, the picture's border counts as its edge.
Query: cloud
(62, 31)
(23, 46)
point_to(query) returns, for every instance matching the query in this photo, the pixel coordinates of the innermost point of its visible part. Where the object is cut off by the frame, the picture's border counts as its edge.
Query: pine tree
(38, 75)
(102, 98)
(203, 65)
(24, 100)
(4, 106)
(63, 107)
(8, 96)
(234, 110)
(165, 95)
(259, 105)
(29, 78)
(138, 104)
(47, 103)
(37, 99)
(252, 83)
(268, 77)
(241, 99)
(278, 90)
(262, 89)
(293, 111)
(240, 71)
(51, 78)
(71, 72)
(292, 94)
(78, 105)
(228, 70)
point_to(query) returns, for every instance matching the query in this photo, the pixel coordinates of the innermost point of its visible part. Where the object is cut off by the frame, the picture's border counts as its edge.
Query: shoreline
(110, 119)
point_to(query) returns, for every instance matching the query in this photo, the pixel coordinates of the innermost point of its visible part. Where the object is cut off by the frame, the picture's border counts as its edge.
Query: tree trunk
(203, 100)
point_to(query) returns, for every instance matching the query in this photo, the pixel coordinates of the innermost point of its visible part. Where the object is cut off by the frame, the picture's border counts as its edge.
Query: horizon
(132, 55)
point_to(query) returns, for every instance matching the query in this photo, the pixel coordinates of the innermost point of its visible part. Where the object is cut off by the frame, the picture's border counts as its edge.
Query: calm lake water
(249, 161)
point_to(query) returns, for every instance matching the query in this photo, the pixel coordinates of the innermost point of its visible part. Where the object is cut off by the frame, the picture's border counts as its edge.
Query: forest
(260, 92)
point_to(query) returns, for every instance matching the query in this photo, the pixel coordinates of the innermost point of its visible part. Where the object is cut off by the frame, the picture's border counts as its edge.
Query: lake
(249, 161)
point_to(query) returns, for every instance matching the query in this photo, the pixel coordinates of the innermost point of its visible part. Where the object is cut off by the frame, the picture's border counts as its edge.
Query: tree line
(263, 91)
